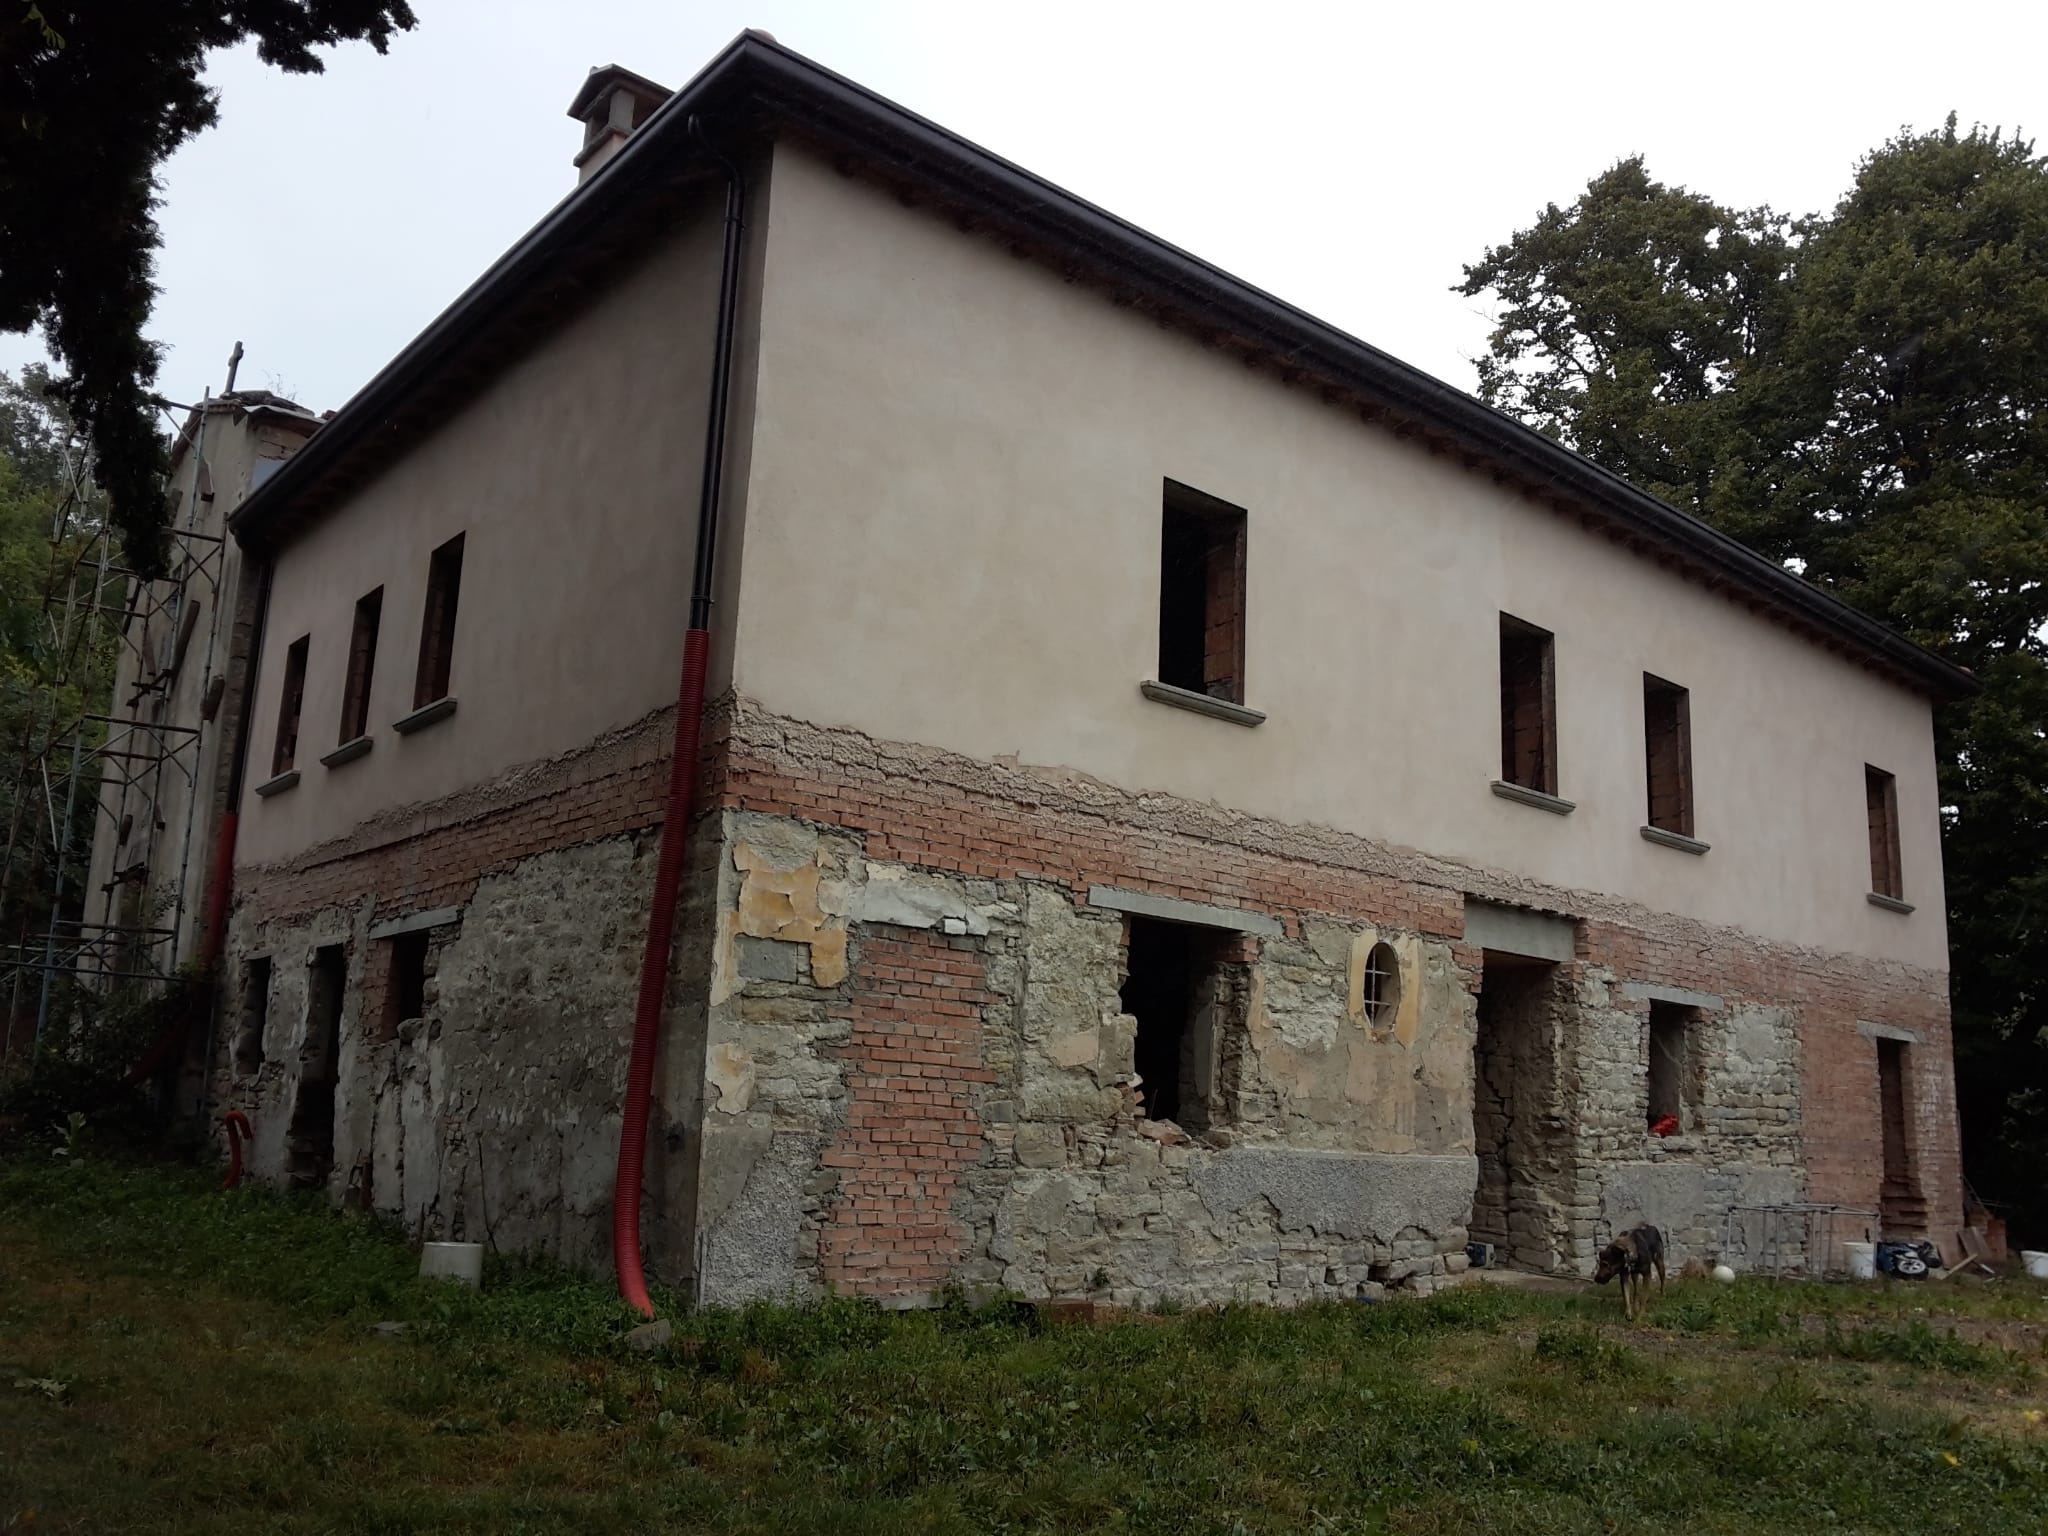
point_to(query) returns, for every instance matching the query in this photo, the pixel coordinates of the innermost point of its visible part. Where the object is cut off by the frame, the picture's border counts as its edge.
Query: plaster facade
(937, 815)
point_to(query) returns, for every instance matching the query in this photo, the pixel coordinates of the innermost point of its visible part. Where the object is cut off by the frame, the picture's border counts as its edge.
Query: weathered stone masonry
(897, 1053)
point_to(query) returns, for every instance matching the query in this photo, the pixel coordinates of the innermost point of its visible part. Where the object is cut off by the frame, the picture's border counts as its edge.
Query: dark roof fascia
(755, 80)
(270, 516)
(876, 129)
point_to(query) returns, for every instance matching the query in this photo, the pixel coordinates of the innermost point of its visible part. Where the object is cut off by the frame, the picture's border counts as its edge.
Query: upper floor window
(285, 748)
(362, 666)
(1528, 707)
(1202, 594)
(1881, 800)
(437, 630)
(1667, 738)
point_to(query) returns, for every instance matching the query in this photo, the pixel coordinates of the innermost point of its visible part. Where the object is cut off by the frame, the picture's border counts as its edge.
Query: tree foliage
(99, 93)
(1862, 394)
(55, 663)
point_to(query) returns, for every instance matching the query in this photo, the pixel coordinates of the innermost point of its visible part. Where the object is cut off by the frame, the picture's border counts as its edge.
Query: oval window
(1382, 988)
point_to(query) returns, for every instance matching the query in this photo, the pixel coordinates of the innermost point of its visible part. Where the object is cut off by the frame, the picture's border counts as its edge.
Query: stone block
(768, 959)
(1040, 1146)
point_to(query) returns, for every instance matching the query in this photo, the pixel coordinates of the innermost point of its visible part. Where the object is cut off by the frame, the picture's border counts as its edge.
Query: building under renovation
(1185, 804)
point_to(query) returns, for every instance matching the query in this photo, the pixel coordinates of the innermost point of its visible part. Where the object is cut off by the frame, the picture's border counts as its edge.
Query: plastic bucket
(2034, 1262)
(453, 1261)
(1862, 1260)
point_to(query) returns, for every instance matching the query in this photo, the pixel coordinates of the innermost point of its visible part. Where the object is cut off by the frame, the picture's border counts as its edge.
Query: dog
(1633, 1256)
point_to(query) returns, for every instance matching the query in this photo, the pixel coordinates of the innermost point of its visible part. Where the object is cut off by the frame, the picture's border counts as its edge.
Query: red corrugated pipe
(238, 1130)
(198, 1000)
(682, 772)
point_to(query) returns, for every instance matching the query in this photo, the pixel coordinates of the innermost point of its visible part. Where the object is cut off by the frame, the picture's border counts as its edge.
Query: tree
(55, 663)
(99, 93)
(1862, 394)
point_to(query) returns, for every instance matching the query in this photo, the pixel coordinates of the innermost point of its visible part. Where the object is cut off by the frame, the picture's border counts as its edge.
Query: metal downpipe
(682, 778)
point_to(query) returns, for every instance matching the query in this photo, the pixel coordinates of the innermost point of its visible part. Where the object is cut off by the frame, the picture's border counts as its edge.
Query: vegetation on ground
(175, 1358)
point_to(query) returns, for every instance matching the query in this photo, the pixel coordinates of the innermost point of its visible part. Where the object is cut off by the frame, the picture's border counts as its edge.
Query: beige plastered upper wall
(953, 525)
(573, 476)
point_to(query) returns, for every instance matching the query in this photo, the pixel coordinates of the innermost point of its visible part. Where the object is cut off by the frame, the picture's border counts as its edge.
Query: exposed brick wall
(945, 813)
(432, 855)
(914, 1063)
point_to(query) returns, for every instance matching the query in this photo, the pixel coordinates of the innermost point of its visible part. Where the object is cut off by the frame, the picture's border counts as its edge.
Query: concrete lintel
(413, 922)
(1519, 931)
(1870, 1031)
(1199, 914)
(1657, 992)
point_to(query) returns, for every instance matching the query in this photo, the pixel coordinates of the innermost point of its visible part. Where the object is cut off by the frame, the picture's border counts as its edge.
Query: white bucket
(2034, 1262)
(1862, 1260)
(453, 1261)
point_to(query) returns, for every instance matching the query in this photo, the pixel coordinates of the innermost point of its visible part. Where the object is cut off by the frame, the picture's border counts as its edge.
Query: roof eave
(756, 71)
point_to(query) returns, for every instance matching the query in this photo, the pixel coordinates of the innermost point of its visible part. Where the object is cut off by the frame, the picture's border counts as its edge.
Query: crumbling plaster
(1344, 1160)
(493, 1116)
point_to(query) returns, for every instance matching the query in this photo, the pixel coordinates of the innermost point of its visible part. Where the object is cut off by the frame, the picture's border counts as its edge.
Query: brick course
(914, 1061)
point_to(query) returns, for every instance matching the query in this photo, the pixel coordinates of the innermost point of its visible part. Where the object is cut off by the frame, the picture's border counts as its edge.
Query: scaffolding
(122, 773)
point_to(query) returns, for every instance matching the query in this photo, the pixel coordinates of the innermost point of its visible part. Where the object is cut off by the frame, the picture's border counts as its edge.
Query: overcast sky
(1348, 158)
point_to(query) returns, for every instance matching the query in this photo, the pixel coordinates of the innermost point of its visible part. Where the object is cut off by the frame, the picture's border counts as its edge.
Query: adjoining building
(1189, 805)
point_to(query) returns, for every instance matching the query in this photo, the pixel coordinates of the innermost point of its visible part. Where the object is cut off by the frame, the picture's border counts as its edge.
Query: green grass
(176, 1359)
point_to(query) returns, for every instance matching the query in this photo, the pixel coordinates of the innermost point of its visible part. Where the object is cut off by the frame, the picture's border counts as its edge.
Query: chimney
(612, 103)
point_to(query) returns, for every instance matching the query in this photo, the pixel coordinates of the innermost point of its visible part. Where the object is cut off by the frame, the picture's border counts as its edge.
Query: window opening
(1382, 987)
(405, 996)
(437, 630)
(1667, 737)
(362, 666)
(1202, 594)
(310, 1136)
(1528, 730)
(1881, 798)
(1891, 1082)
(286, 747)
(1669, 1033)
(255, 1017)
(1184, 986)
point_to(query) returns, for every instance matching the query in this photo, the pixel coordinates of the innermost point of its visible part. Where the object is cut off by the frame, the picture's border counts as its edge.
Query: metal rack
(1796, 1238)
(128, 770)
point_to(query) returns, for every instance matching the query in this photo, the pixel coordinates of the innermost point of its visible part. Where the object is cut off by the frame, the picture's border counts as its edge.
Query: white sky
(1348, 158)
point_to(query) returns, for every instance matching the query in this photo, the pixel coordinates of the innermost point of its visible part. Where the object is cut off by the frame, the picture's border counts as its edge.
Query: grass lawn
(177, 1359)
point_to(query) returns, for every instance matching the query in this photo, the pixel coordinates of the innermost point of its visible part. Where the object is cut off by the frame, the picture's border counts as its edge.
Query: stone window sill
(1679, 1143)
(1200, 703)
(348, 752)
(278, 785)
(1668, 839)
(424, 716)
(1535, 797)
(1889, 903)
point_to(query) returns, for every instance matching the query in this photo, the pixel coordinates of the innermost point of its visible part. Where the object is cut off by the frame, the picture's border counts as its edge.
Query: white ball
(1724, 1274)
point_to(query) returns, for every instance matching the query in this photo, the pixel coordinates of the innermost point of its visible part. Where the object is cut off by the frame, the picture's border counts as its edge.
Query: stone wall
(951, 1097)
(1018, 852)
(897, 1053)
(493, 1115)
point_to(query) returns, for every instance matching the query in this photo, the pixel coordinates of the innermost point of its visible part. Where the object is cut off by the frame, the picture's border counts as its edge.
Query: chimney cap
(605, 78)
